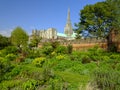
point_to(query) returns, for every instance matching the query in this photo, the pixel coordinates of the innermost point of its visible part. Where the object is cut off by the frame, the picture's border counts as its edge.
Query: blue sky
(39, 14)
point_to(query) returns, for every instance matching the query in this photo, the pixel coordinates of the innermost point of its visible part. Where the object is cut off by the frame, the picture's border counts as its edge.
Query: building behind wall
(50, 33)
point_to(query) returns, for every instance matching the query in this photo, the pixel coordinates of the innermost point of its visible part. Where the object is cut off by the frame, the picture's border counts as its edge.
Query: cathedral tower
(68, 27)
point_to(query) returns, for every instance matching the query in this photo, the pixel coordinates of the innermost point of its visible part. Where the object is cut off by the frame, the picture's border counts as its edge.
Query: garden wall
(83, 44)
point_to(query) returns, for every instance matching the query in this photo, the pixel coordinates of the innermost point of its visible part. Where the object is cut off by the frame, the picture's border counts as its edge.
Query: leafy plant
(29, 84)
(39, 61)
(61, 50)
(11, 57)
(106, 79)
(60, 57)
(8, 85)
(34, 53)
(86, 59)
(47, 50)
(69, 48)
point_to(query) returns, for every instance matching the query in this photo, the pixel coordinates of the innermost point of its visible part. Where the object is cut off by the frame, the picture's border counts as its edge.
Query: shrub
(56, 83)
(106, 79)
(55, 44)
(5, 67)
(115, 56)
(60, 57)
(28, 60)
(39, 61)
(105, 58)
(112, 47)
(29, 84)
(9, 85)
(11, 57)
(11, 49)
(34, 53)
(47, 50)
(15, 71)
(86, 59)
(63, 65)
(61, 50)
(83, 69)
(1, 54)
(69, 49)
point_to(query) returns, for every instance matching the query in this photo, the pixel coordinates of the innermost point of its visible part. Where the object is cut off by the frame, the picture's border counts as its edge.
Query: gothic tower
(68, 27)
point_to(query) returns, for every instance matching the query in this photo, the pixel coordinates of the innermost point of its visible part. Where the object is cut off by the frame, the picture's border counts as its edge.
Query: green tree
(97, 19)
(4, 42)
(115, 5)
(19, 38)
(34, 41)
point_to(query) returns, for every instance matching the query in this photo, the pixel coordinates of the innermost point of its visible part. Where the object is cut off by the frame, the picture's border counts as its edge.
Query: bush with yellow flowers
(39, 61)
(60, 57)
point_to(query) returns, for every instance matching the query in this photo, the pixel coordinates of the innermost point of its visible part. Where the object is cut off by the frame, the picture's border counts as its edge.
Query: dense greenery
(4, 41)
(98, 19)
(19, 37)
(34, 41)
(56, 67)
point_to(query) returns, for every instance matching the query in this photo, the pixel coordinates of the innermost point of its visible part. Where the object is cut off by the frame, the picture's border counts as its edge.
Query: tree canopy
(98, 19)
(19, 37)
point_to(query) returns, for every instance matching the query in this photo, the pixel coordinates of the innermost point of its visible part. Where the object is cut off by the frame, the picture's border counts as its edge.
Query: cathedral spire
(68, 27)
(68, 17)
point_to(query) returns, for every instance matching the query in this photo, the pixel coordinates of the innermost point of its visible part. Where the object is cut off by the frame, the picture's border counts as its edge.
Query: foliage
(61, 50)
(69, 48)
(29, 84)
(60, 57)
(55, 44)
(28, 60)
(107, 79)
(34, 53)
(63, 65)
(56, 83)
(4, 42)
(86, 59)
(112, 46)
(115, 9)
(96, 19)
(11, 57)
(6, 85)
(8, 50)
(34, 41)
(5, 67)
(83, 69)
(99, 18)
(47, 49)
(39, 61)
(73, 80)
(56, 67)
(19, 37)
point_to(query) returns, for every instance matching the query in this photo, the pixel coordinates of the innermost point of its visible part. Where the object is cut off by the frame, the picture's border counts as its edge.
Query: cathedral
(51, 33)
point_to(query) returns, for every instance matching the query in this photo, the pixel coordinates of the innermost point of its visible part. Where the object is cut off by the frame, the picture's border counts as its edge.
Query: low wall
(88, 45)
(84, 46)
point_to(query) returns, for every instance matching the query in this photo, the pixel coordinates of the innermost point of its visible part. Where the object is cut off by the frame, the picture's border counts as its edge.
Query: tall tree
(19, 37)
(96, 19)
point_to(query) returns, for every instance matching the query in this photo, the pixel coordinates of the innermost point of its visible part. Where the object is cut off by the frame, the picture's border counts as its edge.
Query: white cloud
(6, 32)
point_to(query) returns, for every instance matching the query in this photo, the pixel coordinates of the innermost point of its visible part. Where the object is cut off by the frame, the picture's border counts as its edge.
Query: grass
(74, 80)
